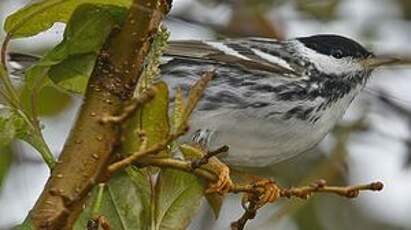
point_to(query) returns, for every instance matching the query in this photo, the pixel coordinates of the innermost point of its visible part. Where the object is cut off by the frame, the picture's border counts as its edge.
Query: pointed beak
(375, 62)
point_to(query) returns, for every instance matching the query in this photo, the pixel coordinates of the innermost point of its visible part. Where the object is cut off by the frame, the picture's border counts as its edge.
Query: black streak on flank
(248, 83)
(265, 88)
(314, 119)
(306, 114)
(299, 113)
(292, 112)
(225, 98)
(207, 106)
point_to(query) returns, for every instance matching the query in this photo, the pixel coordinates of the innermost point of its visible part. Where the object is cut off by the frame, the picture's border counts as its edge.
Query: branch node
(377, 186)
(130, 109)
(99, 222)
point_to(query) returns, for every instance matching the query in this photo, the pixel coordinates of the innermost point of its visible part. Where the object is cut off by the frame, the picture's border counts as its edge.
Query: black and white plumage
(270, 100)
(17, 63)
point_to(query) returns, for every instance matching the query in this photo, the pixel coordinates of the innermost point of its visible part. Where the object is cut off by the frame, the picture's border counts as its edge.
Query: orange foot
(268, 192)
(224, 182)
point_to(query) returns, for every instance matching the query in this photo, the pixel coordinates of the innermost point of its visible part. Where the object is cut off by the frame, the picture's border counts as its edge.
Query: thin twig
(299, 192)
(254, 192)
(4, 50)
(320, 187)
(145, 152)
(179, 165)
(98, 201)
(304, 192)
(8, 87)
(249, 214)
(196, 93)
(131, 108)
(204, 160)
(33, 102)
(7, 98)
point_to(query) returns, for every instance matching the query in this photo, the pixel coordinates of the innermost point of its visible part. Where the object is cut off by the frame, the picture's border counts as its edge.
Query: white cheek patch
(225, 49)
(273, 59)
(329, 64)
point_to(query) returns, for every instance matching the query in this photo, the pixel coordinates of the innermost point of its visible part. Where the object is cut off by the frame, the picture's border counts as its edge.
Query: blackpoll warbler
(270, 100)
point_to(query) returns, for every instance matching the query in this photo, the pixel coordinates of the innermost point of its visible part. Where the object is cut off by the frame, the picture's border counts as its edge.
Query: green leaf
(26, 225)
(125, 202)
(26, 132)
(152, 119)
(12, 125)
(88, 28)
(214, 200)
(15, 124)
(7, 131)
(40, 16)
(178, 110)
(71, 62)
(191, 152)
(178, 198)
(36, 76)
(49, 101)
(73, 73)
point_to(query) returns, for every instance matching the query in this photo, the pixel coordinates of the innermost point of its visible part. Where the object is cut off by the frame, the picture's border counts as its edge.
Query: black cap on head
(335, 45)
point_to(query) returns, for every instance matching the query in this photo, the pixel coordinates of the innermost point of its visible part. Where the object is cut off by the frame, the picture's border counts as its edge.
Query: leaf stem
(38, 142)
(3, 51)
(98, 201)
(153, 222)
(36, 139)
(8, 86)
(122, 164)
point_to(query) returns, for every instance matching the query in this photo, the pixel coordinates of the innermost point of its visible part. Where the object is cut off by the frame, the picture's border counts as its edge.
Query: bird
(269, 100)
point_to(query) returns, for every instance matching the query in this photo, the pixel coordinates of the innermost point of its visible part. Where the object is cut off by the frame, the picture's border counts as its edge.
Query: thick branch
(88, 150)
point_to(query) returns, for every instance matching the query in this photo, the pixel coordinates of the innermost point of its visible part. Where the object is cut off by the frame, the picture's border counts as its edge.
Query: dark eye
(337, 53)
